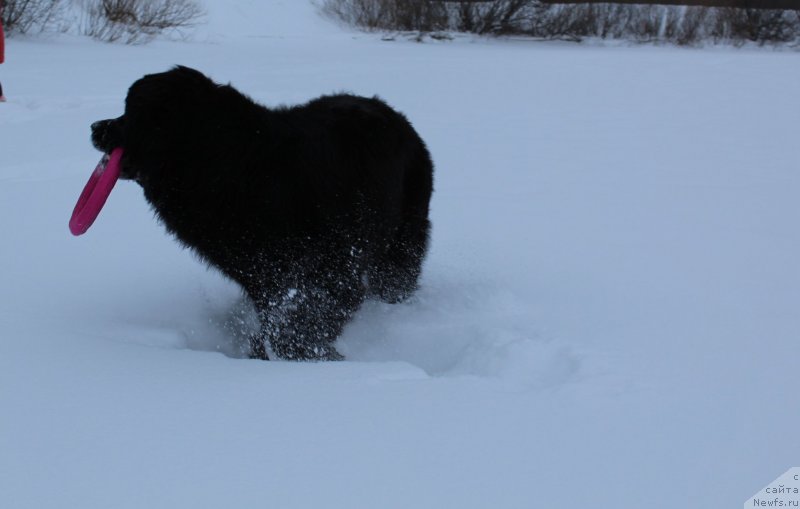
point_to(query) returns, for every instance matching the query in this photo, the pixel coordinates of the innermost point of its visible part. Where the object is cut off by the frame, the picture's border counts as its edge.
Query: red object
(95, 193)
(2, 40)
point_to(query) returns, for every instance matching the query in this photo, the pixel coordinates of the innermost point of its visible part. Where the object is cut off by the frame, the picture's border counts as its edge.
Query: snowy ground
(608, 316)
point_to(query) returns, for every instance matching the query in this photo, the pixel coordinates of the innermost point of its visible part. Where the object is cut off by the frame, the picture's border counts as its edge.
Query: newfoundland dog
(309, 208)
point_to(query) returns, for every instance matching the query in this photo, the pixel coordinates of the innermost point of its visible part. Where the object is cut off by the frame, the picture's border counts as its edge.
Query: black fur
(310, 208)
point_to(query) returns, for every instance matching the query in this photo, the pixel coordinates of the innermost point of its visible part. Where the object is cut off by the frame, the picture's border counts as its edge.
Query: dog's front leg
(302, 323)
(297, 324)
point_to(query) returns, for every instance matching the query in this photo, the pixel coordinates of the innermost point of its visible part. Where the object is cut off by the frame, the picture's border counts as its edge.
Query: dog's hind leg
(393, 277)
(395, 270)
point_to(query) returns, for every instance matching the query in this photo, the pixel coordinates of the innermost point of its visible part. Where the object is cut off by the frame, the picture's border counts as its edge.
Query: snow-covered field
(608, 315)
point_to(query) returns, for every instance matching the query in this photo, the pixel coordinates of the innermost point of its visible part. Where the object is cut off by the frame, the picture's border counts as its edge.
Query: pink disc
(95, 193)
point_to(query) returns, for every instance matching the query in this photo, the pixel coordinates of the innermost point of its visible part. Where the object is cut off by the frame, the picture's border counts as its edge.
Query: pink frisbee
(95, 193)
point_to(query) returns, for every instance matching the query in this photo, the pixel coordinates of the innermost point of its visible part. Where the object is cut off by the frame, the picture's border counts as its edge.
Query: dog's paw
(303, 352)
(258, 349)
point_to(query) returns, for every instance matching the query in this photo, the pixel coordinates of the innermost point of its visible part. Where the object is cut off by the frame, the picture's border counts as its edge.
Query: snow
(607, 318)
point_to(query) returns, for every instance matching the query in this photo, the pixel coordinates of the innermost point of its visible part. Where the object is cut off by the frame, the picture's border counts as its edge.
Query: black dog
(310, 208)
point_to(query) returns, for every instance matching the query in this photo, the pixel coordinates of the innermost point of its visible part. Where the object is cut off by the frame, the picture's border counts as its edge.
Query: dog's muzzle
(107, 134)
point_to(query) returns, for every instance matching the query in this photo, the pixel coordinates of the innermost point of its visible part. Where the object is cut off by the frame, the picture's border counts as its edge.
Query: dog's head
(163, 118)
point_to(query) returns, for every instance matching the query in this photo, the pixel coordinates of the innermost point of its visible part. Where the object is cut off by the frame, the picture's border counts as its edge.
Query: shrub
(417, 15)
(642, 22)
(756, 25)
(137, 21)
(23, 16)
(499, 17)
